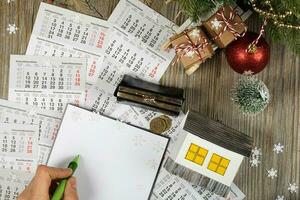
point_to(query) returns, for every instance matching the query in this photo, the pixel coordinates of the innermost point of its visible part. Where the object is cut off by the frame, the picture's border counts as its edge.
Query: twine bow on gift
(190, 47)
(230, 24)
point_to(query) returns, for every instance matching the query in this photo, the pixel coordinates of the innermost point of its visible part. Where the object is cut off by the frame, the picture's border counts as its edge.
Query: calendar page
(12, 183)
(170, 187)
(48, 122)
(47, 82)
(125, 56)
(19, 146)
(61, 32)
(148, 27)
(234, 194)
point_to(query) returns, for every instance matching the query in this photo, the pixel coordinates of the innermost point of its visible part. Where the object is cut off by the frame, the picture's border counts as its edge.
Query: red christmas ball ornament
(245, 57)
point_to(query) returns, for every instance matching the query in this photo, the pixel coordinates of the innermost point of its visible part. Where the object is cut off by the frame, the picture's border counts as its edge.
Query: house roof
(218, 133)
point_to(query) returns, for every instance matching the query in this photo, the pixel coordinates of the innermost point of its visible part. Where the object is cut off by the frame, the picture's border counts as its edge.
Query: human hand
(45, 178)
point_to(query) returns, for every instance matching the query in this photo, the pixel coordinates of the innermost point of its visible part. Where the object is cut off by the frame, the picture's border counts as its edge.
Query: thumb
(71, 190)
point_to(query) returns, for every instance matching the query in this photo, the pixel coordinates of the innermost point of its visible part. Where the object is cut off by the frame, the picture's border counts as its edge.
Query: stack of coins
(160, 124)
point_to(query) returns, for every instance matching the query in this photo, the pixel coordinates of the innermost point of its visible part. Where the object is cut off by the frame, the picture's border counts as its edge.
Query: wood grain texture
(206, 91)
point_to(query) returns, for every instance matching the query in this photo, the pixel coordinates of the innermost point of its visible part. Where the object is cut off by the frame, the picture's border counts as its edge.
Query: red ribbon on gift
(191, 47)
(229, 24)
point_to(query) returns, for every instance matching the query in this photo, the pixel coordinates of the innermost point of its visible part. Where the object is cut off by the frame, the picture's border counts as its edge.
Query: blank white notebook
(117, 161)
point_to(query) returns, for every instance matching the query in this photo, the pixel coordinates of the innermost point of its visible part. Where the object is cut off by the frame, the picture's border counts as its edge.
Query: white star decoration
(293, 187)
(278, 148)
(216, 24)
(12, 28)
(272, 173)
(190, 54)
(195, 33)
(279, 198)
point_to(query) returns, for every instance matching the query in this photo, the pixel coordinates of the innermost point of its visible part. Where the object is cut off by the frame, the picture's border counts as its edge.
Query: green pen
(59, 192)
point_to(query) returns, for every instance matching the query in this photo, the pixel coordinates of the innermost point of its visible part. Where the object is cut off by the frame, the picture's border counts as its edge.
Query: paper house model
(208, 153)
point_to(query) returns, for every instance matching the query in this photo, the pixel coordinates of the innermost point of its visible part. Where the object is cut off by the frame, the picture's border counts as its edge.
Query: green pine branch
(197, 8)
(284, 35)
(288, 36)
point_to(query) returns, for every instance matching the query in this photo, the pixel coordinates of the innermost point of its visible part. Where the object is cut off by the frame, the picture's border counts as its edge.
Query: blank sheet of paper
(118, 161)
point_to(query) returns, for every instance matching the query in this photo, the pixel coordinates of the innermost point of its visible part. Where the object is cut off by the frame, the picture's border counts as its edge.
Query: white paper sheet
(12, 183)
(61, 32)
(47, 82)
(114, 155)
(48, 122)
(144, 24)
(19, 146)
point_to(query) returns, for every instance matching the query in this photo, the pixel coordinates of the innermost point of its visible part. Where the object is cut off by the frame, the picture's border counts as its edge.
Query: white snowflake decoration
(13, 176)
(151, 164)
(139, 140)
(278, 148)
(93, 117)
(76, 116)
(264, 94)
(47, 63)
(195, 33)
(254, 162)
(158, 147)
(12, 28)
(119, 124)
(216, 24)
(280, 197)
(272, 173)
(256, 151)
(248, 73)
(155, 16)
(139, 187)
(76, 19)
(255, 156)
(293, 187)
(190, 54)
(31, 112)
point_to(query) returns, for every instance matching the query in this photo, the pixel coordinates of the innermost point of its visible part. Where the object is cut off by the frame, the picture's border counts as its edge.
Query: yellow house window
(196, 154)
(218, 164)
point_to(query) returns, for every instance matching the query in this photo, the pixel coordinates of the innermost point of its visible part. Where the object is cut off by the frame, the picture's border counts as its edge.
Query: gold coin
(158, 125)
(168, 121)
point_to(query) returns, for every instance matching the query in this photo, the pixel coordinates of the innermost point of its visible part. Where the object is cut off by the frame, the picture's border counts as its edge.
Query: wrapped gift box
(192, 48)
(225, 26)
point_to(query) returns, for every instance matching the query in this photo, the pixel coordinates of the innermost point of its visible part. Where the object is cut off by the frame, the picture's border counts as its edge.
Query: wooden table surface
(207, 91)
